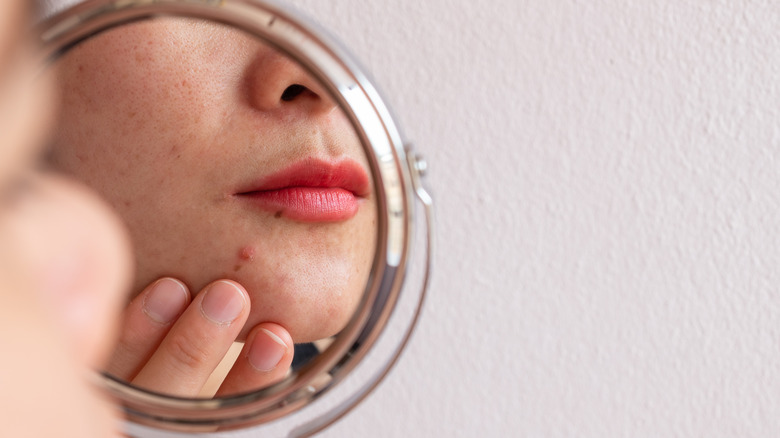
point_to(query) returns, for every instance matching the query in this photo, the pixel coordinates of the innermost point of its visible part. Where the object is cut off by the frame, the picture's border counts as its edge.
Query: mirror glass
(230, 165)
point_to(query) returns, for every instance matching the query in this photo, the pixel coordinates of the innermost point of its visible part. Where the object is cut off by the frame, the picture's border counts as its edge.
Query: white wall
(608, 212)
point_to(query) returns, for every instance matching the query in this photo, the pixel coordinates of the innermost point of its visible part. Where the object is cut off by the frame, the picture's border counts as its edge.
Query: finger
(78, 259)
(147, 319)
(264, 360)
(197, 341)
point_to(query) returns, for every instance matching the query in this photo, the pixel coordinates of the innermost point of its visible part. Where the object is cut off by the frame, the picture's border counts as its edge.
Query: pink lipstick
(311, 190)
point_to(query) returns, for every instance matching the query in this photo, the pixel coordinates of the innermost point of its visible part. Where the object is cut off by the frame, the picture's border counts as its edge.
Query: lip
(311, 190)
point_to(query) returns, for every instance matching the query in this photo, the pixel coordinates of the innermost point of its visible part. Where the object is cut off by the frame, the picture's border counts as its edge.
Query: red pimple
(247, 253)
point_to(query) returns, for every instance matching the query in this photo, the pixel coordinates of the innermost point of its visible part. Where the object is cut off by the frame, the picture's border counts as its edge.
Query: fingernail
(222, 302)
(267, 350)
(165, 301)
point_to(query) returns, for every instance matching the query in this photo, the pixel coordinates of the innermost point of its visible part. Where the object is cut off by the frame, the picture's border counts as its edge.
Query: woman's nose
(276, 82)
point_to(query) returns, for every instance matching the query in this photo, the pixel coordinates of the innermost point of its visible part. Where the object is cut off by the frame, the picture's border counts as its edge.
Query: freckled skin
(166, 119)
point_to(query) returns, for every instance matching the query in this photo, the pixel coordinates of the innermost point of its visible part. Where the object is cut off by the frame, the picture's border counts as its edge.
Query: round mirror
(267, 191)
(227, 161)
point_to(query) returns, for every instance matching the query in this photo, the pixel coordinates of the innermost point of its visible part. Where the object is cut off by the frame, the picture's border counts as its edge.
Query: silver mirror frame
(397, 174)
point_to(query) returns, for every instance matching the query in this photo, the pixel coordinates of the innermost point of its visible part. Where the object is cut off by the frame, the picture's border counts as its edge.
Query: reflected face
(226, 160)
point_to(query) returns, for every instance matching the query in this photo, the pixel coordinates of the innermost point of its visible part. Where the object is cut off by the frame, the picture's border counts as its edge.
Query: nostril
(292, 92)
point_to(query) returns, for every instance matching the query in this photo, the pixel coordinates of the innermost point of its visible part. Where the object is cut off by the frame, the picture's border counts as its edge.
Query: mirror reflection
(246, 192)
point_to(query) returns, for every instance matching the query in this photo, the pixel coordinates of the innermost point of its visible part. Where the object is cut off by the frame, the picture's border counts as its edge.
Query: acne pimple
(247, 253)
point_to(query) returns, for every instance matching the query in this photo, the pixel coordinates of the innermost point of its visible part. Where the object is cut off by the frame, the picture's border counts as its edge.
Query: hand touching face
(227, 161)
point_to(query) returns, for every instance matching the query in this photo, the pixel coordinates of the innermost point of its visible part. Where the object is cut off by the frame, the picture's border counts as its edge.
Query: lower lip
(307, 204)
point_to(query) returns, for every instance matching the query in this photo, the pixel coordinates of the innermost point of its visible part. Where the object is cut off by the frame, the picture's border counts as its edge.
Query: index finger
(147, 319)
(198, 341)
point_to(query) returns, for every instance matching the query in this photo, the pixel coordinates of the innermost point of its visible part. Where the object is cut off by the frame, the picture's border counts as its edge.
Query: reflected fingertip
(223, 302)
(267, 351)
(165, 300)
(274, 337)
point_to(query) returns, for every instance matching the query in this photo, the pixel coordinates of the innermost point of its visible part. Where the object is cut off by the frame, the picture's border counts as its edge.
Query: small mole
(236, 268)
(247, 253)
(278, 214)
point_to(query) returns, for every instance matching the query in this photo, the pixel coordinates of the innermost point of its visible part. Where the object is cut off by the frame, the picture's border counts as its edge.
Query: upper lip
(314, 173)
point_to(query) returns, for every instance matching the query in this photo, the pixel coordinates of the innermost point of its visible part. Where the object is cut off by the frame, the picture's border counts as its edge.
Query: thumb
(77, 255)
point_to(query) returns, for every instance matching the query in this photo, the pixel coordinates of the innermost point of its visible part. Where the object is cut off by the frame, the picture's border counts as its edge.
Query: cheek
(127, 99)
(311, 296)
(138, 142)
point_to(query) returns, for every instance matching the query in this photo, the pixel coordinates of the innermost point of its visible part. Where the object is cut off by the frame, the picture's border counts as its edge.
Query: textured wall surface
(606, 175)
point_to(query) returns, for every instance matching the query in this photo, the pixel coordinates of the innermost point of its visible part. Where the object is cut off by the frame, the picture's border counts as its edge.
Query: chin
(312, 299)
(304, 324)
